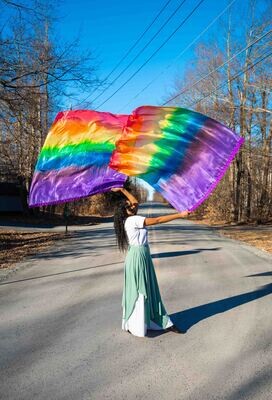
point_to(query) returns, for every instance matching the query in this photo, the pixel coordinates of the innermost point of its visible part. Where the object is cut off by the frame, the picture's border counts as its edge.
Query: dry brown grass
(16, 245)
(259, 236)
(260, 239)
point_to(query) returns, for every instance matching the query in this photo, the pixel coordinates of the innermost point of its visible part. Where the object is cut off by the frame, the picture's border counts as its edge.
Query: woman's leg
(136, 322)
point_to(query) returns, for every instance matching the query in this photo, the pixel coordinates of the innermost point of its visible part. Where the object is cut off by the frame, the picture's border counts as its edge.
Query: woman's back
(136, 231)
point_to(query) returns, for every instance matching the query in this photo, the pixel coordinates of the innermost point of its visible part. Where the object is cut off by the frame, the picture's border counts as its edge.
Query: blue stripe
(85, 159)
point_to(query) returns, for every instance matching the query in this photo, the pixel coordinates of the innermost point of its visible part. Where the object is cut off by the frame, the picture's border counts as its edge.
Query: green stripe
(182, 127)
(76, 148)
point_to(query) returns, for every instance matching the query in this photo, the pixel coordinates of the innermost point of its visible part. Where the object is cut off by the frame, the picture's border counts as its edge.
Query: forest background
(228, 79)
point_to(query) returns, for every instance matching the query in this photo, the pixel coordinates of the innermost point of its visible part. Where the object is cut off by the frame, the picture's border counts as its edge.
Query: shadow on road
(61, 273)
(184, 320)
(159, 255)
(178, 228)
(182, 253)
(261, 274)
(187, 318)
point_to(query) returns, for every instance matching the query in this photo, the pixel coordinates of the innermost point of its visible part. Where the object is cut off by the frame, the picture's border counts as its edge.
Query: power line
(139, 39)
(254, 109)
(179, 55)
(260, 87)
(142, 50)
(234, 77)
(217, 68)
(154, 53)
(130, 49)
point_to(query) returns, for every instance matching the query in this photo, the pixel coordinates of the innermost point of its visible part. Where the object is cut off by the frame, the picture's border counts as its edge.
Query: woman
(142, 304)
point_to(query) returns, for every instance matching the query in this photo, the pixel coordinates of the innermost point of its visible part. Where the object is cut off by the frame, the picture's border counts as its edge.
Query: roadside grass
(259, 236)
(16, 245)
(260, 239)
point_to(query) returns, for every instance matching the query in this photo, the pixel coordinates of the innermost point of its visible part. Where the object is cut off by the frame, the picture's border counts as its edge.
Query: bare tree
(230, 80)
(37, 73)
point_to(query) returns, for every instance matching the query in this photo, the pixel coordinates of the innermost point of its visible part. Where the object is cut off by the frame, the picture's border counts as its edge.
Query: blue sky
(109, 28)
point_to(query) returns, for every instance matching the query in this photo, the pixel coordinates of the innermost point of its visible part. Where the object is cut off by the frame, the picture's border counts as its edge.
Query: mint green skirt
(140, 278)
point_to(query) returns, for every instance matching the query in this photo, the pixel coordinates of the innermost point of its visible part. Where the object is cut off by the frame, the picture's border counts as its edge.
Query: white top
(136, 231)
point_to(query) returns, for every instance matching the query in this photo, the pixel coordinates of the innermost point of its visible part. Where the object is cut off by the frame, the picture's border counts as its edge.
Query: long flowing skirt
(142, 304)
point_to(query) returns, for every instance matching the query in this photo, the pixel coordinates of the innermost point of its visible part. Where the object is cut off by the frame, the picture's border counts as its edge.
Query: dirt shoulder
(15, 246)
(259, 236)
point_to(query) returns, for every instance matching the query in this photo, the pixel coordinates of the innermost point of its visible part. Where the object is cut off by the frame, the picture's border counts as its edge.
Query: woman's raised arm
(128, 195)
(165, 218)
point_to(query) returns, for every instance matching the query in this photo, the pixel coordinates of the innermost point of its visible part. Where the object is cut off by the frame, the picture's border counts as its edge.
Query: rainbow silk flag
(74, 160)
(182, 154)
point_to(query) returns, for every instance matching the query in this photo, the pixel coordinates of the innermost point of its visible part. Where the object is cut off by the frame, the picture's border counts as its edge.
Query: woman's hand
(184, 214)
(116, 189)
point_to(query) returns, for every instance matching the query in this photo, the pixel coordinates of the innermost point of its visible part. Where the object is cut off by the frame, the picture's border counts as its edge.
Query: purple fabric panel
(202, 168)
(59, 186)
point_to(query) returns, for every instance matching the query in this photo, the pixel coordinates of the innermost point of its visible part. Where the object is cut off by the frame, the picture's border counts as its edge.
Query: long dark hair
(120, 216)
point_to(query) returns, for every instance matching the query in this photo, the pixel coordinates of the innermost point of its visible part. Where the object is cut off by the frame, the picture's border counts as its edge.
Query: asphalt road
(60, 321)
